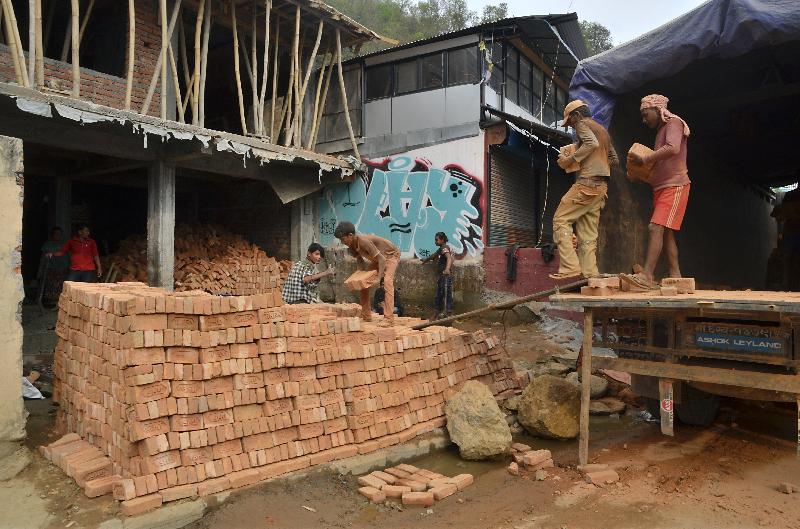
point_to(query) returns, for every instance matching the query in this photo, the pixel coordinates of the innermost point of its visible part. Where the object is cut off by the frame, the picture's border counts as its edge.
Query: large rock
(476, 424)
(598, 385)
(550, 407)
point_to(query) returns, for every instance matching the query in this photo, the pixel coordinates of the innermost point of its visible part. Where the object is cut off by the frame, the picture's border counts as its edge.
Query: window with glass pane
(525, 83)
(407, 76)
(496, 82)
(512, 75)
(462, 66)
(379, 81)
(561, 101)
(537, 87)
(431, 71)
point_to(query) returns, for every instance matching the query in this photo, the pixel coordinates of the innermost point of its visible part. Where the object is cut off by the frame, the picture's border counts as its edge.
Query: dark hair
(83, 225)
(316, 247)
(583, 111)
(440, 235)
(55, 229)
(344, 228)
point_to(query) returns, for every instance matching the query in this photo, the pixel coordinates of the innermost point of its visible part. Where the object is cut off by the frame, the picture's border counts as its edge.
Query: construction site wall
(98, 87)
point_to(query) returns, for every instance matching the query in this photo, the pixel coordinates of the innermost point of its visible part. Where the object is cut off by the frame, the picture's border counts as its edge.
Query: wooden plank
(713, 375)
(586, 386)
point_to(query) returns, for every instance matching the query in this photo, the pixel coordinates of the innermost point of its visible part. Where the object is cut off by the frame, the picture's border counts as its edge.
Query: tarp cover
(718, 28)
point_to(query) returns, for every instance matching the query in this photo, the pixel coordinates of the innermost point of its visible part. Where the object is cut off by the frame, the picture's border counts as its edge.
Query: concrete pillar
(12, 411)
(304, 226)
(161, 225)
(63, 205)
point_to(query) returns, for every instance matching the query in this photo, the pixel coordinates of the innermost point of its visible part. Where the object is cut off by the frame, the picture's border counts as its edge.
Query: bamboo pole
(188, 97)
(247, 66)
(176, 82)
(254, 73)
(14, 44)
(298, 140)
(292, 75)
(48, 29)
(201, 103)
(196, 89)
(162, 7)
(76, 50)
(344, 93)
(31, 39)
(275, 68)
(131, 52)
(2, 31)
(85, 20)
(157, 69)
(39, 53)
(268, 7)
(321, 99)
(67, 36)
(184, 59)
(236, 67)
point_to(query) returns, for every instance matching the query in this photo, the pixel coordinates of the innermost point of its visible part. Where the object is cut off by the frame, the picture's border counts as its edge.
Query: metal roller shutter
(513, 208)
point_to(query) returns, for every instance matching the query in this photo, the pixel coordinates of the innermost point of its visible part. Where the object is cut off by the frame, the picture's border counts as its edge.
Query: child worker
(444, 283)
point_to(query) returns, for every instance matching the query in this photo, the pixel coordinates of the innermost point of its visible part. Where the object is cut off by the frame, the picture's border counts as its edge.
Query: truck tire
(698, 407)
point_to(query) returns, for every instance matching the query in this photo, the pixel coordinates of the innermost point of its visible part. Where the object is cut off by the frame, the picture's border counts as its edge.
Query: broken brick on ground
(189, 394)
(411, 485)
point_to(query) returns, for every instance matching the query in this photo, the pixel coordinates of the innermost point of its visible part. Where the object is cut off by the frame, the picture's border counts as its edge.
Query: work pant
(581, 205)
(388, 288)
(82, 276)
(444, 295)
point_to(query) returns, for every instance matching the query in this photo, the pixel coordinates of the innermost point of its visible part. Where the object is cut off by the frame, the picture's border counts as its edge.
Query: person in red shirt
(84, 261)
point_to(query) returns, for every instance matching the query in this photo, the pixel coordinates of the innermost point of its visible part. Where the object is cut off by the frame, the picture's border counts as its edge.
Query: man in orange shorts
(670, 181)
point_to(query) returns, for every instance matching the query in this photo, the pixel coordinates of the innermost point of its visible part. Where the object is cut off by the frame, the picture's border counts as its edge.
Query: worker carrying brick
(303, 280)
(581, 205)
(669, 179)
(383, 257)
(84, 261)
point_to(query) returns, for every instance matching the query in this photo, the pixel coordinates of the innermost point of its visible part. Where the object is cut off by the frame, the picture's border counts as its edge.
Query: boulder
(512, 403)
(568, 358)
(607, 406)
(599, 385)
(554, 368)
(550, 407)
(476, 424)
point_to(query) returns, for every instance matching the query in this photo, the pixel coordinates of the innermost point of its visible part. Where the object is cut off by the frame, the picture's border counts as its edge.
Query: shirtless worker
(670, 181)
(581, 205)
(383, 257)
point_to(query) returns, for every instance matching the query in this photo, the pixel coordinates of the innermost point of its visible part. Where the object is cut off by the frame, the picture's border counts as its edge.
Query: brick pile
(207, 258)
(191, 394)
(529, 459)
(411, 485)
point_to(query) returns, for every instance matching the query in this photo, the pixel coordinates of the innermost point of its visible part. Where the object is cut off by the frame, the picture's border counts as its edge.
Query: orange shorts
(669, 206)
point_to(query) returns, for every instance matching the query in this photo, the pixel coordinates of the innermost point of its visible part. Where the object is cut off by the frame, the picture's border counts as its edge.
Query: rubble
(184, 394)
(476, 424)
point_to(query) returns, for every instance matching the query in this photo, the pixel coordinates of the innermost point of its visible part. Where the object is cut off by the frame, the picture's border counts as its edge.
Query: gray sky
(625, 18)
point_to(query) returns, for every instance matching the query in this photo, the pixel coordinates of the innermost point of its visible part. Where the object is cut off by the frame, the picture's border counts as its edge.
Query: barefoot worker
(670, 181)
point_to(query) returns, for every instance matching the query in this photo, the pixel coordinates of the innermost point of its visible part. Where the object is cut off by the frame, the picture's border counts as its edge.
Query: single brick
(443, 491)
(423, 499)
(371, 481)
(513, 469)
(535, 457)
(519, 447)
(372, 494)
(462, 481)
(395, 491)
(101, 486)
(212, 486)
(602, 477)
(141, 504)
(124, 489)
(383, 476)
(179, 492)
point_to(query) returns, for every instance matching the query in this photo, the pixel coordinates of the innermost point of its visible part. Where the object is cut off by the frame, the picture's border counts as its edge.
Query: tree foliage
(596, 36)
(408, 20)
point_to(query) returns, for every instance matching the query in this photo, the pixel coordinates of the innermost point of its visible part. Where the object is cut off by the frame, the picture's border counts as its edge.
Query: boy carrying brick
(444, 283)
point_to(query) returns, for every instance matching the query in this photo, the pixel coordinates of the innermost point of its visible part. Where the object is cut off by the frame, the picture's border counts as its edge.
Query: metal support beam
(161, 225)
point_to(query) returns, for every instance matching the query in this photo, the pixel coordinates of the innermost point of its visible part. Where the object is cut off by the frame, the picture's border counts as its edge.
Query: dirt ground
(725, 476)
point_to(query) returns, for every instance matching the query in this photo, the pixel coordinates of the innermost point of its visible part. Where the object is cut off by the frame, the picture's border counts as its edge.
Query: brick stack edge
(174, 395)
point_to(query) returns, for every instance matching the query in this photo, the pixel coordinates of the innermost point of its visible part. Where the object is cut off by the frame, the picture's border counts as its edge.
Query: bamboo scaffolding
(204, 65)
(320, 111)
(154, 78)
(236, 67)
(2, 32)
(268, 7)
(292, 90)
(275, 69)
(48, 29)
(76, 49)
(254, 73)
(196, 90)
(344, 93)
(14, 43)
(131, 52)
(85, 20)
(299, 104)
(67, 37)
(38, 46)
(176, 82)
(162, 7)
(31, 39)
(184, 59)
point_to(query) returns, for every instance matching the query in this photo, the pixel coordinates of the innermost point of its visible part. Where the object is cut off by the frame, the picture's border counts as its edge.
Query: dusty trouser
(581, 205)
(388, 287)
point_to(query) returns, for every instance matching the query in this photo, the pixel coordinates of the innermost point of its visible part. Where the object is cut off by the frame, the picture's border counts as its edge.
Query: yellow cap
(570, 108)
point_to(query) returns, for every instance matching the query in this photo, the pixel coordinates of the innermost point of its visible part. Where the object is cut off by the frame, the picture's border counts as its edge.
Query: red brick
(212, 486)
(535, 457)
(243, 478)
(150, 428)
(183, 355)
(94, 469)
(196, 456)
(372, 494)
(186, 423)
(443, 491)
(124, 489)
(151, 392)
(101, 486)
(161, 462)
(371, 481)
(385, 477)
(248, 381)
(187, 388)
(395, 491)
(141, 505)
(423, 499)
(462, 481)
(148, 322)
(180, 492)
(602, 477)
(185, 322)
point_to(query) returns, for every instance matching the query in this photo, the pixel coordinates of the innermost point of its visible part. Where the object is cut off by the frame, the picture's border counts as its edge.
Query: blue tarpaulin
(718, 28)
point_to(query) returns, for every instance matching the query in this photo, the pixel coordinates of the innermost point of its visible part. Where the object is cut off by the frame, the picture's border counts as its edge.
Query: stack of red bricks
(190, 394)
(411, 485)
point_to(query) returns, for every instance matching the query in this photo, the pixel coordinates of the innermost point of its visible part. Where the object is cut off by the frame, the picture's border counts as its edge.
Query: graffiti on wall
(407, 201)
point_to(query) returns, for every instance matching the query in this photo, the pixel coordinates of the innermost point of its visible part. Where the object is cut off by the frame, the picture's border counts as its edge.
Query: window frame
(477, 65)
(366, 81)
